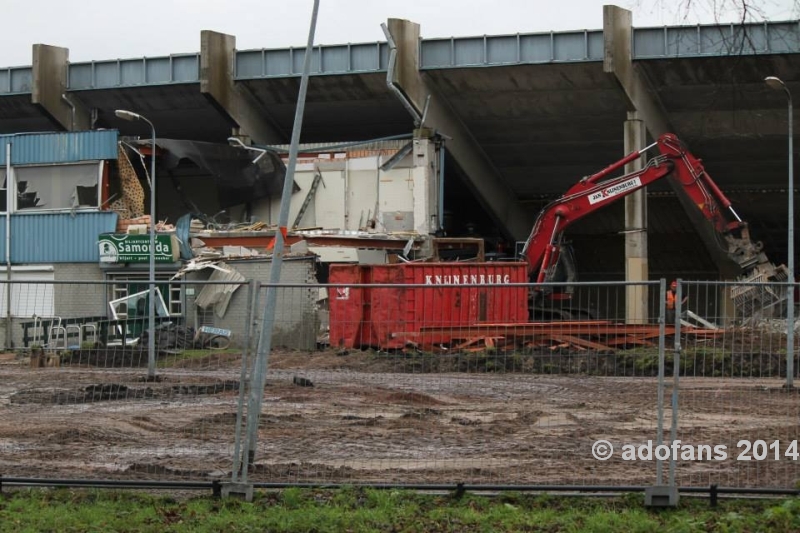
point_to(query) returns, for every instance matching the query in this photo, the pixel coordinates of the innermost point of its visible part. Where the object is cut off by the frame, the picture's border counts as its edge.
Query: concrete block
(243, 491)
(661, 496)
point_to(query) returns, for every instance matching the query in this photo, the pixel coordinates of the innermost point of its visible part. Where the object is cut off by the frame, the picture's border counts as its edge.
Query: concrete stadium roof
(540, 106)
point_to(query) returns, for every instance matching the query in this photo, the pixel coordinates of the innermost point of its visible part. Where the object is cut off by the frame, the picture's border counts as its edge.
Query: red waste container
(416, 295)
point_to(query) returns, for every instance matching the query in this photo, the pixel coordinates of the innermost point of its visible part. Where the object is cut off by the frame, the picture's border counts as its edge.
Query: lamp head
(775, 83)
(127, 115)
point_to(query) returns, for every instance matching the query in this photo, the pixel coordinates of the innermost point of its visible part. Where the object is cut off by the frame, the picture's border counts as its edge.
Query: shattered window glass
(57, 186)
(3, 196)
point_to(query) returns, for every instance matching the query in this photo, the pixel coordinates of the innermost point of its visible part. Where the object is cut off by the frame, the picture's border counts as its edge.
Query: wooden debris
(579, 336)
(582, 343)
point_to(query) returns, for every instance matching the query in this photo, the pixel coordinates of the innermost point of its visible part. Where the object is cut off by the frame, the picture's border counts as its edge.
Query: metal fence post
(252, 297)
(264, 348)
(661, 346)
(676, 372)
(661, 495)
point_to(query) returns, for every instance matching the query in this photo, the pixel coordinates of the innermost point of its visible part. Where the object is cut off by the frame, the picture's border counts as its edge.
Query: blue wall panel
(67, 147)
(56, 237)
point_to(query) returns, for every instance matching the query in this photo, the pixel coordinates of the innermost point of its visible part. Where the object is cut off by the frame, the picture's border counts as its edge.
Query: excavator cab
(554, 302)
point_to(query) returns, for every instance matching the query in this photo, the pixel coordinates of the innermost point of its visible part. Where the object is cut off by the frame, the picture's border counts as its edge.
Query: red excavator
(550, 260)
(383, 314)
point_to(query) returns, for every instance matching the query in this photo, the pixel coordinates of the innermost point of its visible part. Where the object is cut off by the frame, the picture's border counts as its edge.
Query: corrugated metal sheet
(59, 147)
(56, 237)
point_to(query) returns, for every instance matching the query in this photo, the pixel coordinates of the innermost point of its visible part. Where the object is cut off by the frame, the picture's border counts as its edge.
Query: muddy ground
(382, 418)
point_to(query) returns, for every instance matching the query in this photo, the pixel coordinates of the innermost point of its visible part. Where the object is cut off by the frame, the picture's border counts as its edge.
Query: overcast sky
(111, 29)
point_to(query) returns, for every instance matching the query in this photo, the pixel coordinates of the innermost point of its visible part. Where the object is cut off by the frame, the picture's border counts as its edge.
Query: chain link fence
(438, 378)
(80, 397)
(730, 388)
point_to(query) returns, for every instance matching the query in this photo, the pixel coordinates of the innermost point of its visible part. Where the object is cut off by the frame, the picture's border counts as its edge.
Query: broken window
(130, 284)
(3, 195)
(136, 305)
(58, 186)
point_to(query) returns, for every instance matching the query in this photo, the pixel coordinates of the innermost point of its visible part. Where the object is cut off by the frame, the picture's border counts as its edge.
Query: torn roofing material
(239, 180)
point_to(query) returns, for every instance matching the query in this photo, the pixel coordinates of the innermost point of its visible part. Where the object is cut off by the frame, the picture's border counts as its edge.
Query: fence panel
(732, 390)
(449, 381)
(79, 397)
(435, 377)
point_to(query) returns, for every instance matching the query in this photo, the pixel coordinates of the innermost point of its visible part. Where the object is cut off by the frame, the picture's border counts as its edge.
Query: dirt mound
(411, 398)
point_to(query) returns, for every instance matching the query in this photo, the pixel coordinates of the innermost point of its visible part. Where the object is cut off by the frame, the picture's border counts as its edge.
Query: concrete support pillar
(483, 176)
(618, 61)
(49, 88)
(237, 105)
(642, 98)
(636, 269)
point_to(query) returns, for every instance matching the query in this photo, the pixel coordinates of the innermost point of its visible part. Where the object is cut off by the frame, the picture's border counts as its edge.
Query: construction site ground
(385, 418)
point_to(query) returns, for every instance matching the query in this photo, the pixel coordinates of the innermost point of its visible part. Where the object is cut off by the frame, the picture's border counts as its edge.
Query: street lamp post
(151, 312)
(778, 85)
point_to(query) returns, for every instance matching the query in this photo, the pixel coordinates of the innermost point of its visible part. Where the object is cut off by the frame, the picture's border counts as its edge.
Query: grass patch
(166, 361)
(357, 510)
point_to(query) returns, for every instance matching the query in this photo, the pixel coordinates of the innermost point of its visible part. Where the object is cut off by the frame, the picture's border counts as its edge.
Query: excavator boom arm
(594, 192)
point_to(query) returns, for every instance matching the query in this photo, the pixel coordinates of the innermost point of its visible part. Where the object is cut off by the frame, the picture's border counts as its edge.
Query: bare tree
(693, 11)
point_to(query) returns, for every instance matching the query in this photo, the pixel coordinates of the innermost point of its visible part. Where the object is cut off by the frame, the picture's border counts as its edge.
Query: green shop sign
(130, 248)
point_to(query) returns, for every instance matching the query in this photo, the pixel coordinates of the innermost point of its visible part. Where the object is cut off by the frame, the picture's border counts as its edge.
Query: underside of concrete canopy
(527, 116)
